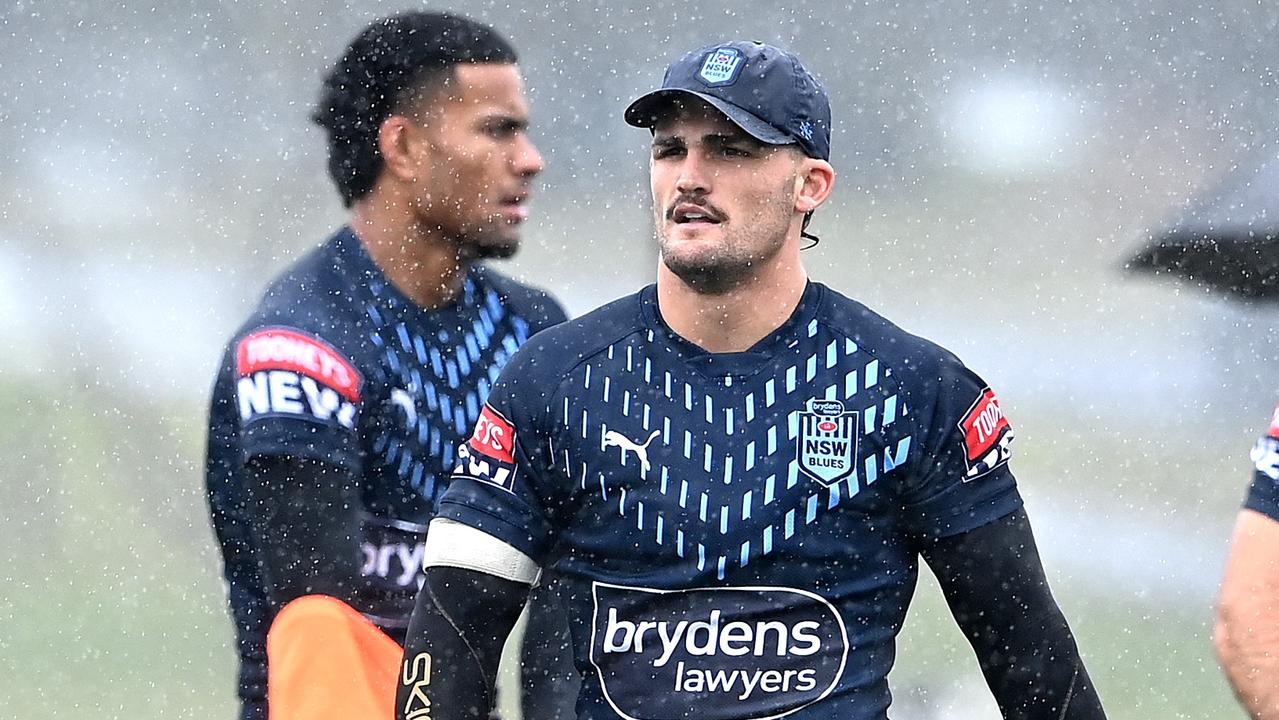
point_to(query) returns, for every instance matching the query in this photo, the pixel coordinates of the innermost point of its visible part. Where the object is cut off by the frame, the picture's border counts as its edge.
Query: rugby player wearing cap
(729, 476)
(340, 402)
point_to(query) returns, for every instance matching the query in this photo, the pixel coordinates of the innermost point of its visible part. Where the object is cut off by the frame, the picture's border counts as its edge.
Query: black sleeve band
(994, 583)
(454, 644)
(305, 515)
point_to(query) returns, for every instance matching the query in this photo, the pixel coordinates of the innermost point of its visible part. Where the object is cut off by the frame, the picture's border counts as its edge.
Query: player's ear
(813, 184)
(395, 140)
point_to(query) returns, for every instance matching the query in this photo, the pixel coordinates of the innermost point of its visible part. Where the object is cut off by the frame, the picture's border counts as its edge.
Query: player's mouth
(514, 207)
(694, 215)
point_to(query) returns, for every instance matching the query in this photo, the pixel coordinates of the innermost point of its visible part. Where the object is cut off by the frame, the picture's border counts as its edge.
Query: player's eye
(666, 151)
(503, 129)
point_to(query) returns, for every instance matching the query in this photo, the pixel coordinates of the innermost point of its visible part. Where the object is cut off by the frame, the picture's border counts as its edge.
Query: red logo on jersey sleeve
(286, 349)
(987, 435)
(1274, 425)
(494, 436)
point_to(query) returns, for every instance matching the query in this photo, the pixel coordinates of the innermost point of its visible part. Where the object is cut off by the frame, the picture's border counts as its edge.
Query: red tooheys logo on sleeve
(290, 350)
(493, 436)
(987, 435)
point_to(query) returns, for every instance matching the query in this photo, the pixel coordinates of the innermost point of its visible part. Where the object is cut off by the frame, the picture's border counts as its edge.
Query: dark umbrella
(1227, 239)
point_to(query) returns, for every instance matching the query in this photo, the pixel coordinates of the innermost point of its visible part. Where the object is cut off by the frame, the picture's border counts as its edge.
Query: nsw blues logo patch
(827, 441)
(721, 66)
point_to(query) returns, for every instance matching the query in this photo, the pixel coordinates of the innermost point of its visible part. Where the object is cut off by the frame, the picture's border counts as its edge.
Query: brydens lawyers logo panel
(745, 653)
(393, 552)
(286, 372)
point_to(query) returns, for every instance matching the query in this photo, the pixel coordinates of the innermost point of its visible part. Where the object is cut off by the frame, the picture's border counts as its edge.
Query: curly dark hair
(392, 61)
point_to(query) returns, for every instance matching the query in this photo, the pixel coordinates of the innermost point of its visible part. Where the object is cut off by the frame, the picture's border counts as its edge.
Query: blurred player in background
(1227, 240)
(1247, 636)
(341, 402)
(729, 477)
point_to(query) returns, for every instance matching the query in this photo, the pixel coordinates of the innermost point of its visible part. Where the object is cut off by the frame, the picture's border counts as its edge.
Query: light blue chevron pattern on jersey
(732, 442)
(446, 375)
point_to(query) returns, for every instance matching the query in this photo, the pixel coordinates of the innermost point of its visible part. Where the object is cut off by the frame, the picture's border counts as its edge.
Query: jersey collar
(763, 354)
(356, 261)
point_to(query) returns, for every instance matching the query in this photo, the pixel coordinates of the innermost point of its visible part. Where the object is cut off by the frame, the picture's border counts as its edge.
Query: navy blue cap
(764, 90)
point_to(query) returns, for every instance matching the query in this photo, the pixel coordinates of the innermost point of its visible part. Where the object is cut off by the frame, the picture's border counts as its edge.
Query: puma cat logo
(612, 438)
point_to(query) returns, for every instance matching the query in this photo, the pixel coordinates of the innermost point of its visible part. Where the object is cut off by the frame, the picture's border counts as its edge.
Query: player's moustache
(707, 208)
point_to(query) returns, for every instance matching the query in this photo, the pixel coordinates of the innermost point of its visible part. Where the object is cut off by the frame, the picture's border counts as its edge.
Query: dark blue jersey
(336, 365)
(734, 535)
(1263, 495)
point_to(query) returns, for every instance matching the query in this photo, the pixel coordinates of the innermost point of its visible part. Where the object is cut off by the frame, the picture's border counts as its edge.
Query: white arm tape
(450, 543)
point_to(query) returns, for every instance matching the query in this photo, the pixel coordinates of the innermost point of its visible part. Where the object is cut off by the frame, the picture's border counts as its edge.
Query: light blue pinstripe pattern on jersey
(732, 496)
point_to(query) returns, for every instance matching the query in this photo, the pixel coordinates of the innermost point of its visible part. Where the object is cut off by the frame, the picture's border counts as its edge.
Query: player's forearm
(995, 585)
(1247, 632)
(454, 644)
(1247, 642)
(1034, 670)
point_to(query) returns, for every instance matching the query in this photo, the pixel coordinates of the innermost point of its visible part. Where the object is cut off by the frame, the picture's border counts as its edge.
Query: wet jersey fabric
(734, 535)
(1263, 495)
(337, 365)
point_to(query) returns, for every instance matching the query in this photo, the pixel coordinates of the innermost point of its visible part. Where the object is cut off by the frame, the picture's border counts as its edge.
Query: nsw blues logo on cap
(721, 66)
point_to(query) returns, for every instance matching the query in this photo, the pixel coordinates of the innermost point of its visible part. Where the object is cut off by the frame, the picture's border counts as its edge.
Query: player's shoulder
(1272, 430)
(556, 351)
(309, 302)
(882, 338)
(535, 305)
(309, 289)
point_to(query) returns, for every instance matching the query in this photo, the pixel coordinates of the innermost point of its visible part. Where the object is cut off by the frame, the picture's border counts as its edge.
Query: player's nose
(694, 177)
(527, 161)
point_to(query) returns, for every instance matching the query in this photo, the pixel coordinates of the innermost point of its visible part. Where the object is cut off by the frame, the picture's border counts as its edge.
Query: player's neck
(737, 319)
(425, 267)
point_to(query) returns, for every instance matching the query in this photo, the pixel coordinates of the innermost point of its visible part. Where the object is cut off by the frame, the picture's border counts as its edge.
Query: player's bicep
(1250, 588)
(500, 483)
(997, 564)
(304, 518)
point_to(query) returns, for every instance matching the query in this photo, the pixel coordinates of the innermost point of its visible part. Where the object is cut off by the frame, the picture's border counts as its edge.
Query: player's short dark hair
(391, 62)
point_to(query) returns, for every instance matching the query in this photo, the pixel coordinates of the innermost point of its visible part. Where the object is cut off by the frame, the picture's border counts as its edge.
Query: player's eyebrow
(667, 141)
(730, 138)
(714, 139)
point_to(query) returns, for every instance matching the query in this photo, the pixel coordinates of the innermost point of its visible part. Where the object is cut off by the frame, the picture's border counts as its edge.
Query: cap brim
(649, 110)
